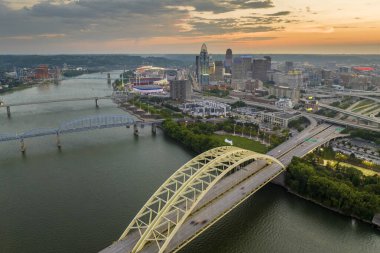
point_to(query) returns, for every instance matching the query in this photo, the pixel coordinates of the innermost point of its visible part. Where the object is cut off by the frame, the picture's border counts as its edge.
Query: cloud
(86, 21)
(280, 13)
(313, 29)
(52, 35)
(121, 18)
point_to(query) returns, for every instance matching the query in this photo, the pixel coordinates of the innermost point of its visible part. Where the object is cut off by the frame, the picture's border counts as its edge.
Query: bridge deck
(352, 114)
(55, 101)
(233, 190)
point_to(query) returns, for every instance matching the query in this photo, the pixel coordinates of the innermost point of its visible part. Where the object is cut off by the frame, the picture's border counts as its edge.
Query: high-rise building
(295, 79)
(237, 68)
(180, 90)
(204, 66)
(228, 61)
(289, 66)
(285, 92)
(197, 68)
(219, 71)
(246, 66)
(260, 68)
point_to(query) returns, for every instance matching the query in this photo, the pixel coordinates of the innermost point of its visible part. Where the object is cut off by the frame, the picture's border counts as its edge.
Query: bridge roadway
(347, 93)
(377, 100)
(308, 115)
(55, 101)
(236, 188)
(341, 122)
(352, 114)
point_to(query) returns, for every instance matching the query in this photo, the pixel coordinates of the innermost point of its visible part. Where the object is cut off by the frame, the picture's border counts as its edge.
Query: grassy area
(363, 103)
(245, 143)
(372, 109)
(362, 108)
(365, 171)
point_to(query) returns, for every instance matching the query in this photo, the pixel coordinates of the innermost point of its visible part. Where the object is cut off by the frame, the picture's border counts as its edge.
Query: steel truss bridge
(57, 101)
(207, 188)
(166, 211)
(79, 125)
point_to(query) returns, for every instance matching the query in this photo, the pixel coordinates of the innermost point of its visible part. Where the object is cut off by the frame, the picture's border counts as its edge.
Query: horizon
(193, 54)
(41, 27)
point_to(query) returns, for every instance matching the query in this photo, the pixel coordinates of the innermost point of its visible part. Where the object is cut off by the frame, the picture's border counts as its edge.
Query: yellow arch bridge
(166, 211)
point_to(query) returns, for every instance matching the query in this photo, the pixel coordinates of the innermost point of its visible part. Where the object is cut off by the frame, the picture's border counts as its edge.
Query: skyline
(176, 27)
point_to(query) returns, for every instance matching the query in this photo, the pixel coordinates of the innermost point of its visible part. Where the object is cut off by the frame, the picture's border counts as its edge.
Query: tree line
(197, 137)
(341, 188)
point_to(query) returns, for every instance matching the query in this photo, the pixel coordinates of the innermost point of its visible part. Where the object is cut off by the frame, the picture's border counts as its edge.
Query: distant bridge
(79, 125)
(8, 106)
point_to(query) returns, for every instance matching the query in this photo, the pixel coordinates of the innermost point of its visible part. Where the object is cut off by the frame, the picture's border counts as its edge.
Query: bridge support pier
(8, 111)
(109, 78)
(154, 128)
(135, 130)
(22, 147)
(58, 142)
(96, 103)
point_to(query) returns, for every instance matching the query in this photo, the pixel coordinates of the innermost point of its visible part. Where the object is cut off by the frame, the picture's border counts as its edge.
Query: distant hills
(107, 62)
(113, 61)
(311, 58)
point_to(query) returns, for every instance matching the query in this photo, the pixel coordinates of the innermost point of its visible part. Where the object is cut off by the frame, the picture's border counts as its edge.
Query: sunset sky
(181, 26)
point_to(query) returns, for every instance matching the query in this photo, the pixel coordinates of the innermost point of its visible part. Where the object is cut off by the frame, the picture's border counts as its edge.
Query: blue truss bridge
(80, 125)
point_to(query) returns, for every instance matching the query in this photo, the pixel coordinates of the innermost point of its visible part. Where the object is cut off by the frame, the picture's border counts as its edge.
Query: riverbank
(25, 86)
(330, 208)
(341, 189)
(201, 137)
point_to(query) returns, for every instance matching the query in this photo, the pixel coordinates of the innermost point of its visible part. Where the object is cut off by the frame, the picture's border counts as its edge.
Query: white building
(206, 108)
(293, 79)
(284, 103)
(278, 119)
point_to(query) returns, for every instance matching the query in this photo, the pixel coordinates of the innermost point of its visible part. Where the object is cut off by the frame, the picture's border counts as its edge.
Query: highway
(341, 122)
(377, 100)
(305, 114)
(236, 188)
(352, 114)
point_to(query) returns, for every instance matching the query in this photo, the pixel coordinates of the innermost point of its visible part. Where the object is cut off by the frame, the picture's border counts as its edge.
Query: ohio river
(81, 198)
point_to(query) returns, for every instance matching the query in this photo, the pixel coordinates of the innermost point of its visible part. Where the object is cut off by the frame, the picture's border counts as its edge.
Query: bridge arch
(165, 212)
(8, 137)
(37, 132)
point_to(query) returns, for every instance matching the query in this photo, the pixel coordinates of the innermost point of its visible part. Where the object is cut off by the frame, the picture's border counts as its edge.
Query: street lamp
(258, 134)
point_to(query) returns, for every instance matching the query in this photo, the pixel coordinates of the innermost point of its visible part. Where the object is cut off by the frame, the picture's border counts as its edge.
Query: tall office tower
(219, 71)
(269, 62)
(204, 63)
(260, 68)
(289, 66)
(197, 68)
(228, 61)
(180, 90)
(295, 79)
(237, 68)
(246, 66)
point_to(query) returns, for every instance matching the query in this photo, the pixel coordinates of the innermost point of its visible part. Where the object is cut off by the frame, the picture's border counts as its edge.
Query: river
(80, 198)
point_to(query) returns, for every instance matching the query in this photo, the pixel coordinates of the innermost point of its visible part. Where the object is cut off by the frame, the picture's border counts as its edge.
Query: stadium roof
(363, 68)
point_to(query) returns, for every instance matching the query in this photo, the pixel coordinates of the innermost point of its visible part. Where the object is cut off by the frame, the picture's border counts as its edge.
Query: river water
(80, 198)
